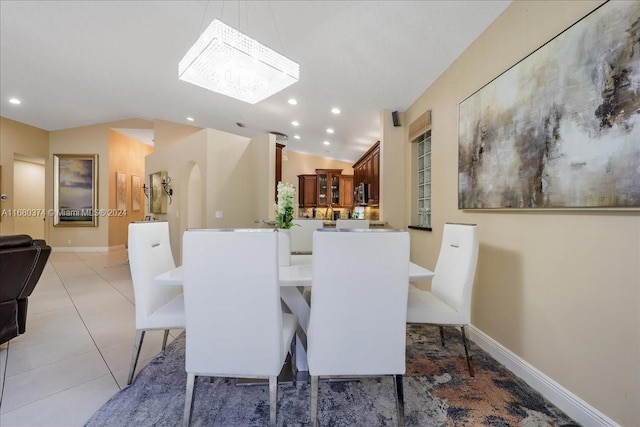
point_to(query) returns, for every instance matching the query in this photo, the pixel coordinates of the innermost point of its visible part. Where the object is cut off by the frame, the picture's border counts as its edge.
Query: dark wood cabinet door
(375, 177)
(279, 148)
(367, 170)
(307, 186)
(328, 187)
(346, 191)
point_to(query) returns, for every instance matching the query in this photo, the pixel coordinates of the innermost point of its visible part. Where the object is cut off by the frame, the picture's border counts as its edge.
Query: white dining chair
(449, 301)
(302, 235)
(157, 307)
(352, 223)
(357, 324)
(235, 324)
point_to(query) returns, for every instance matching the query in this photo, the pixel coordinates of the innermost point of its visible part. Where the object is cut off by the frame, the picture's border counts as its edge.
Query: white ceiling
(76, 63)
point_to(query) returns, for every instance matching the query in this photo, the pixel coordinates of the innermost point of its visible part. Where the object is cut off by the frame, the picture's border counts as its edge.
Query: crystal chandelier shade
(229, 62)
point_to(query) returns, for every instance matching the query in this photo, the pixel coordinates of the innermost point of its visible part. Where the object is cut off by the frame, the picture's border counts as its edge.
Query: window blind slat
(420, 126)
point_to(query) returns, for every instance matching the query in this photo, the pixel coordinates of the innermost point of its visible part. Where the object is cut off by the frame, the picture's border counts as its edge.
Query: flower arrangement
(284, 208)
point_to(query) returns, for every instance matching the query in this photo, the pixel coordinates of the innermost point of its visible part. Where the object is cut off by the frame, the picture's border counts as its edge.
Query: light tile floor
(77, 348)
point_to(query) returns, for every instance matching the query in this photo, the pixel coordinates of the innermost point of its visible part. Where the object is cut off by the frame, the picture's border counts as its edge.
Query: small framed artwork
(121, 191)
(135, 193)
(75, 190)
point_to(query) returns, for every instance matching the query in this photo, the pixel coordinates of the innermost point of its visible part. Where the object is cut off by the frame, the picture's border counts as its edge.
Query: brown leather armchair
(22, 261)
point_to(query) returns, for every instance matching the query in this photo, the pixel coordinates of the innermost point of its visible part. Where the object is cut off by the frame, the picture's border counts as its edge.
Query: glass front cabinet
(328, 187)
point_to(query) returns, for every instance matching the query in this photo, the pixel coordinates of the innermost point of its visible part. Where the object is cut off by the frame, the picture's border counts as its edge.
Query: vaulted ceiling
(76, 63)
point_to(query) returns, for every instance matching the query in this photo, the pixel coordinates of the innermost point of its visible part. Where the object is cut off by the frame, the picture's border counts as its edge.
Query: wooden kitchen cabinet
(375, 177)
(346, 191)
(367, 170)
(328, 187)
(307, 191)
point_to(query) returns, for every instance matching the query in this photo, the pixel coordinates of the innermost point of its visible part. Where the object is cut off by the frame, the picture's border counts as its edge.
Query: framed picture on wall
(158, 204)
(75, 190)
(135, 193)
(121, 191)
(559, 129)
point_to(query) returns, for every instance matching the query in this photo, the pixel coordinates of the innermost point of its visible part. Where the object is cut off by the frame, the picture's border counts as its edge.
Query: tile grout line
(83, 321)
(4, 373)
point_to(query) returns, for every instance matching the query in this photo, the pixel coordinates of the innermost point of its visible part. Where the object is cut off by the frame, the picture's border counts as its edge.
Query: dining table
(293, 279)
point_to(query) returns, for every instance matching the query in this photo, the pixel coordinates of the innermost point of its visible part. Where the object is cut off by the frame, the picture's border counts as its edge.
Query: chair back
(232, 303)
(150, 255)
(352, 223)
(358, 315)
(302, 234)
(456, 267)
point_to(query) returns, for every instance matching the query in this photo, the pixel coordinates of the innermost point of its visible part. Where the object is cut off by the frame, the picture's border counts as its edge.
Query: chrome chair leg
(442, 335)
(314, 401)
(466, 351)
(164, 340)
(294, 367)
(399, 399)
(137, 345)
(273, 400)
(188, 399)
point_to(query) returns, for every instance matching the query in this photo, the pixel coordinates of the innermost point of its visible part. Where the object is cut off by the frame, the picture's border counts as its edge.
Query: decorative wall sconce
(166, 186)
(146, 190)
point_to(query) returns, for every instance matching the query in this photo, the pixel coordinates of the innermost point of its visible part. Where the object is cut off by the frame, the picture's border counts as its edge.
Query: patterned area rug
(437, 386)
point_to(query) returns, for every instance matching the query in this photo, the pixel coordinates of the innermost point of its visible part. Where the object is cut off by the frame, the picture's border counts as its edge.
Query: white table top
(299, 273)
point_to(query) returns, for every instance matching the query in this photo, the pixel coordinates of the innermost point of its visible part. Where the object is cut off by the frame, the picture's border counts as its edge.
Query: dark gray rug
(438, 392)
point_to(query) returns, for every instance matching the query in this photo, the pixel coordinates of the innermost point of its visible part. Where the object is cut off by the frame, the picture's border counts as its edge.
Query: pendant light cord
(275, 25)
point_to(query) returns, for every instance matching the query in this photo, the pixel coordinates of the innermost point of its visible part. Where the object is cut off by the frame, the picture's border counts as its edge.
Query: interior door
(28, 198)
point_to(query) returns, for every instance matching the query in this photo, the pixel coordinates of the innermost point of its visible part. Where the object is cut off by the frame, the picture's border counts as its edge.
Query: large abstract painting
(560, 129)
(75, 193)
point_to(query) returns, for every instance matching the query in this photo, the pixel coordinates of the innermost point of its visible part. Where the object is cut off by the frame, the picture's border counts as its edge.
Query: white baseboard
(80, 249)
(572, 405)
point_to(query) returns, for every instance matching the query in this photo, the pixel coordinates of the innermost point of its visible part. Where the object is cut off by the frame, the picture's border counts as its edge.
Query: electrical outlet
(218, 214)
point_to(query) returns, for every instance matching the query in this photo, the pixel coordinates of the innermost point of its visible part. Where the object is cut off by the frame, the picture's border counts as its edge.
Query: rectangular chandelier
(226, 61)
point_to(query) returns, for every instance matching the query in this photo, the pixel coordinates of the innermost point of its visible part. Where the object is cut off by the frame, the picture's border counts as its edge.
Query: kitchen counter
(328, 223)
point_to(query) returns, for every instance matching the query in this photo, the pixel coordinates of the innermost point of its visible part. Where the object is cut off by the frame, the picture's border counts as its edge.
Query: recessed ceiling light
(292, 101)
(15, 101)
(326, 143)
(294, 123)
(296, 136)
(190, 119)
(335, 110)
(329, 130)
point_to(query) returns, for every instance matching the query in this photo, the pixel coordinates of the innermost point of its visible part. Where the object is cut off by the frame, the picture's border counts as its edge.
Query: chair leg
(466, 351)
(273, 400)
(399, 399)
(164, 340)
(294, 367)
(188, 399)
(314, 401)
(441, 335)
(137, 345)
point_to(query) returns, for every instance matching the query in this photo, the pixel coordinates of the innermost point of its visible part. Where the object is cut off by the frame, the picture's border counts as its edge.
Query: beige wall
(86, 140)
(393, 147)
(125, 155)
(561, 289)
(167, 133)
(235, 172)
(24, 141)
